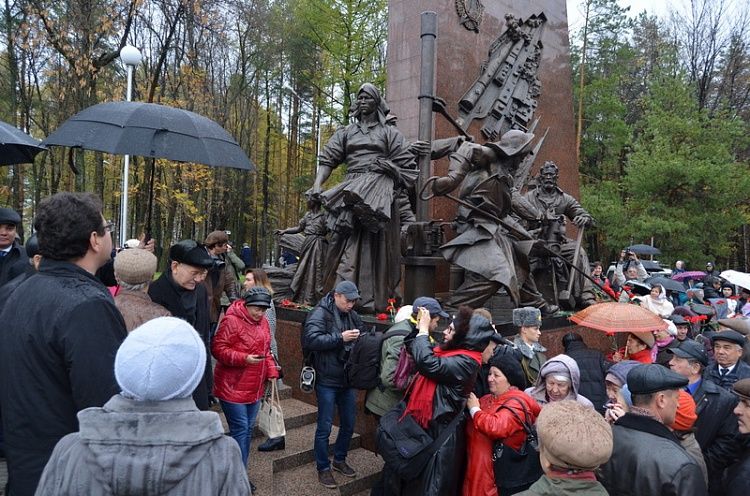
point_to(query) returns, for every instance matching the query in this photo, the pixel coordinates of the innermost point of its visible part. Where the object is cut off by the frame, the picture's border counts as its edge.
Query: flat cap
(692, 350)
(192, 253)
(678, 319)
(348, 289)
(651, 378)
(730, 335)
(9, 216)
(135, 266)
(742, 389)
(740, 325)
(216, 237)
(527, 317)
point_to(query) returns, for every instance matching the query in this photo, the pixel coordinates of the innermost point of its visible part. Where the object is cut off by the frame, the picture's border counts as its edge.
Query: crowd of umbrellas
(133, 128)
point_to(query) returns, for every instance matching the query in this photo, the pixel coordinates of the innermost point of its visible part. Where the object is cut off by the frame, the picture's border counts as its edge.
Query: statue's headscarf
(382, 107)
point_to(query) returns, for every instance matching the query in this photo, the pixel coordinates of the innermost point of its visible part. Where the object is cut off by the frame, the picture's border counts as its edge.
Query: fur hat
(161, 360)
(572, 436)
(509, 365)
(135, 266)
(527, 316)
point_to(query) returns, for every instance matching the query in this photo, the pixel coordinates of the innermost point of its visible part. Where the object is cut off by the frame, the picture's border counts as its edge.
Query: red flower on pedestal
(382, 316)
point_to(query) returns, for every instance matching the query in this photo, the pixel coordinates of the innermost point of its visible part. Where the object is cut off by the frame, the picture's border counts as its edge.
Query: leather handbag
(270, 416)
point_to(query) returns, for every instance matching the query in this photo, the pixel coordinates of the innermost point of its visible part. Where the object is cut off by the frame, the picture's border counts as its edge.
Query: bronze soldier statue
(492, 247)
(556, 206)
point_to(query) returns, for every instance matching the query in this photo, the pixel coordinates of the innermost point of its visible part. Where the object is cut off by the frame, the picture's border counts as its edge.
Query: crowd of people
(108, 381)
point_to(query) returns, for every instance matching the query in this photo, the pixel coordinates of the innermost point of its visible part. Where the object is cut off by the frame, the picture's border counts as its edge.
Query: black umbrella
(668, 284)
(17, 147)
(151, 130)
(644, 249)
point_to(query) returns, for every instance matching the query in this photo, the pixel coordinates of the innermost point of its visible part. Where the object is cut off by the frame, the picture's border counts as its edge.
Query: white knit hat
(163, 359)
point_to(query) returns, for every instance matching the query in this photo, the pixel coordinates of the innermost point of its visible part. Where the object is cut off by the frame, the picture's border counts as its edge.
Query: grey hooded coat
(146, 448)
(560, 363)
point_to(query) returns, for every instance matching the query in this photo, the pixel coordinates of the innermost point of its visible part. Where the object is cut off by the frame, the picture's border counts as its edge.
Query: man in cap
(573, 442)
(737, 478)
(220, 278)
(741, 325)
(59, 336)
(12, 255)
(493, 255)
(727, 368)
(385, 397)
(529, 322)
(150, 438)
(328, 335)
(549, 199)
(647, 459)
(179, 289)
(134, 271)
(716, 427)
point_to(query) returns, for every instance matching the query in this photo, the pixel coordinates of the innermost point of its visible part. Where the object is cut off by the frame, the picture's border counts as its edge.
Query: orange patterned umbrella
(618, 317)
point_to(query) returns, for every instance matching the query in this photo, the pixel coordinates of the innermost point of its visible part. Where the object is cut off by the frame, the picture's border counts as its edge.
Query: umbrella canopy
(690, 274)
(644, 249)
(737, 278)
(150, 130)
(669, 284)
(17, 147)
(619, 317)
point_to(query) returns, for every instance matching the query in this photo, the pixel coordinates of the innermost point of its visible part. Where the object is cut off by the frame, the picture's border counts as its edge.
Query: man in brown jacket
(134, 271)
(220, 277)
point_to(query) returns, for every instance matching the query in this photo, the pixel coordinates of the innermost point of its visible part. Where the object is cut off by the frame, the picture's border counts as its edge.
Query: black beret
(731, 336)
(651, 378)
(9, 216)
(191, 253)
(691, 350)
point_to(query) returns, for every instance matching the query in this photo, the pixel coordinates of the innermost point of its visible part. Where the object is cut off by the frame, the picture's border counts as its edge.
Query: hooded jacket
(146, 448)
(539, 390)
(238, 336)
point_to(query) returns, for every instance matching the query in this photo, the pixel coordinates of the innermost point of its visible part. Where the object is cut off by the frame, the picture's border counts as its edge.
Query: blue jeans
(328, 398)
(241, 419)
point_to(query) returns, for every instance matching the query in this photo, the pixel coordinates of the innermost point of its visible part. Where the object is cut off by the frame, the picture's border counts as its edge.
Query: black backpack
(362, 367)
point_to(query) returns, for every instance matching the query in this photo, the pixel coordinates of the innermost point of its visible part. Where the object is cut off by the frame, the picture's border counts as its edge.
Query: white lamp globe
(130, 55)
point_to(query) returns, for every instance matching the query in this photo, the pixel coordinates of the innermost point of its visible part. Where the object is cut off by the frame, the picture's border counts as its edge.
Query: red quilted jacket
(237, 337)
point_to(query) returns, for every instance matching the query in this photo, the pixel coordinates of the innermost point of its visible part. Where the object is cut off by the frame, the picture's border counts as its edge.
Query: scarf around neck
(423, 389)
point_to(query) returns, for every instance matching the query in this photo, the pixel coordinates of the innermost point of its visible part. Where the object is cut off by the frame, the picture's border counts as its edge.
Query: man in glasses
(59, 336)
(179, 289)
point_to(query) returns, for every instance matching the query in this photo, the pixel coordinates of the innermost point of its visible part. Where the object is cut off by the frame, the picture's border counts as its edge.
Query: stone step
(303, 480)
(298, 452)
(285, 392)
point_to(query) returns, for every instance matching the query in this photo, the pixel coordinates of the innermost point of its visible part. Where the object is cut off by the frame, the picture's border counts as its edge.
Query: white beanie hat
(163, 359)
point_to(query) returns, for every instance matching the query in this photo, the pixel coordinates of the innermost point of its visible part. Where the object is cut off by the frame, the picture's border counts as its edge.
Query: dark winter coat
(740, 371)
(737, 479)
(146, 448)
(321, 336)
(14, 263)
(648, 460)
(60, 333)
(455, 377)
(593, 368)
(238, 336)
(165, 292)
(715, 429)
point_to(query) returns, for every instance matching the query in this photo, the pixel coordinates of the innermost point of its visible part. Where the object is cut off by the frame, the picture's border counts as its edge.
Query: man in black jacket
(716, 427)
(737, 478)
(328, 335)
(727, 366)
(179, 289)
(593, 369)
(13, 259)
(59, 337)
(647, 458)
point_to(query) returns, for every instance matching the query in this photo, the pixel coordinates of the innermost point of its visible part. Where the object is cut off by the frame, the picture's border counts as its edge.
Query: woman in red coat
(242, 348)
(490, 423)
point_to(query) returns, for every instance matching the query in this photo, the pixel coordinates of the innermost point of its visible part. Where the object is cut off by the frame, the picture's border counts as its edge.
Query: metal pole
(426, 92)
(125, 172)
(317, 147)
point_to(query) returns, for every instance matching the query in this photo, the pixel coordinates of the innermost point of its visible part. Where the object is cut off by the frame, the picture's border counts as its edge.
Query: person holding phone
(242, 348)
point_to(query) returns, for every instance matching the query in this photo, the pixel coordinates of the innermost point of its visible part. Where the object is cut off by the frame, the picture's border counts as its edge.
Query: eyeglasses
(109, 226)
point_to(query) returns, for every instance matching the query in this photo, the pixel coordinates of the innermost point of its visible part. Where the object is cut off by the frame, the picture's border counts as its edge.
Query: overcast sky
(656, 7)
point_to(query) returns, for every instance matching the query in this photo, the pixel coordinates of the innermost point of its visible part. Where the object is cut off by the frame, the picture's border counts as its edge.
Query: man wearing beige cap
(647, 458)
(737, 478)
(573, 442)
(134, 271)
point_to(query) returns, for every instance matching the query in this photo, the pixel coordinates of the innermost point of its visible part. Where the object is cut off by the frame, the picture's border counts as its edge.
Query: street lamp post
(131, 57)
